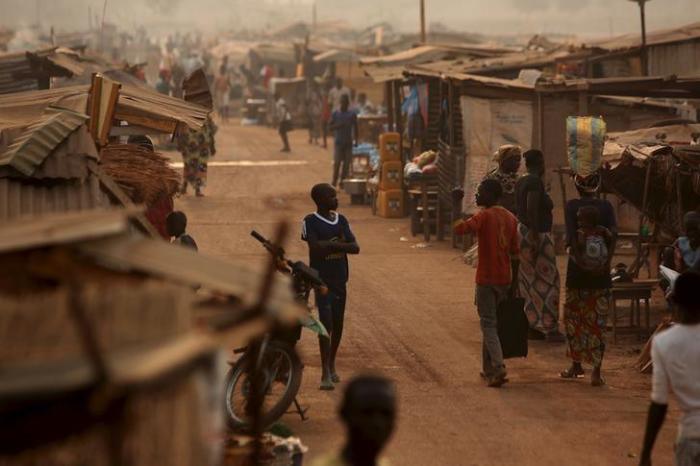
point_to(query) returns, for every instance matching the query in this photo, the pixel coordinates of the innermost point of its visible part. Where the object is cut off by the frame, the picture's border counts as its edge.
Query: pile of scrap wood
(144, 175)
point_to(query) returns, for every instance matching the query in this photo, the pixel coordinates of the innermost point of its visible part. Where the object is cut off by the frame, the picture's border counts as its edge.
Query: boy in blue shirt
(330, 240)
(344, 124)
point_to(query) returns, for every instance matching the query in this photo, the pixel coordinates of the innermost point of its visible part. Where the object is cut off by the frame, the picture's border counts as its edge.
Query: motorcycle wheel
(282, 378)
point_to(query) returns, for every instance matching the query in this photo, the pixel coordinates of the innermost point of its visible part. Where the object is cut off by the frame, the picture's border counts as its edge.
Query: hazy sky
(583, 17)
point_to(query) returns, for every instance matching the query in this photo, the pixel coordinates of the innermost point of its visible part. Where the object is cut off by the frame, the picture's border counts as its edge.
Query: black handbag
(512, 328)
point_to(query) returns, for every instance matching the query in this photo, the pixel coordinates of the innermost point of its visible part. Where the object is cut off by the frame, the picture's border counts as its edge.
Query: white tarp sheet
(489, 124)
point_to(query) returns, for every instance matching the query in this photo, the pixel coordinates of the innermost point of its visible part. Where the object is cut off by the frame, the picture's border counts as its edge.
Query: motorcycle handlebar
(308, 274)
(259, 237)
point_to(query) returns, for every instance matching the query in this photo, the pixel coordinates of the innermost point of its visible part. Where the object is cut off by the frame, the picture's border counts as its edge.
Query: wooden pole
(422, 22)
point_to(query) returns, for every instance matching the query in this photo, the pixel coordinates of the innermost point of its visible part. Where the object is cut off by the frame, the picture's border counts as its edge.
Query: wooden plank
(149, 121)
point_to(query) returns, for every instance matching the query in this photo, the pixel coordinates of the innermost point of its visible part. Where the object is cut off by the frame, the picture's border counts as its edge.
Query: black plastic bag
(512, 328)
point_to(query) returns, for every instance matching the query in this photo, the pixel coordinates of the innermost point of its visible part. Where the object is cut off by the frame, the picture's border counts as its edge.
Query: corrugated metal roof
(20, 198)
(12, 67)
(142, 105)
(19, 71)
(421, 54)
(659, 37)
(336, 55)
(380, 74)
(435, 52)
(39, 139)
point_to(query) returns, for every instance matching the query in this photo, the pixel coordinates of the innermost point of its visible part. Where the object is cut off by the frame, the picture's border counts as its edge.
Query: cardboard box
(390, 175)
(390, 203)
(389, 147)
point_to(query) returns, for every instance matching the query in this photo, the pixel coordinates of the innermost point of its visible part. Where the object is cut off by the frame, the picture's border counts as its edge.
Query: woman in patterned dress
(196, 148)
(587, 292)
(538, 273)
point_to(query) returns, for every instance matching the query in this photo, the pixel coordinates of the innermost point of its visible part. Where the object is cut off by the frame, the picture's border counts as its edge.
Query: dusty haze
(582, 17)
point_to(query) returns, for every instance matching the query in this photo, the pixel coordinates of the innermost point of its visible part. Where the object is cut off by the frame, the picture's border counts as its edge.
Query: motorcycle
(277, 364)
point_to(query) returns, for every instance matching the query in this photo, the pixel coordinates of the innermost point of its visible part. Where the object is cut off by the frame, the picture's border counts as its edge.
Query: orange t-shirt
(497, 232)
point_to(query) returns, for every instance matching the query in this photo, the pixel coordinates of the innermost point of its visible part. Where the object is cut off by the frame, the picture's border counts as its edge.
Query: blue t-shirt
(345, 122)
(333, 268)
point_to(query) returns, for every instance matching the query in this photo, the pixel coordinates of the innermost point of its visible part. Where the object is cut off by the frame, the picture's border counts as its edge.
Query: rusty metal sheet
(39, 139)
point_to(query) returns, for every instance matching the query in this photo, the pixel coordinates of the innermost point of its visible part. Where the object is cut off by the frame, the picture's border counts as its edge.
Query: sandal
(571, 373)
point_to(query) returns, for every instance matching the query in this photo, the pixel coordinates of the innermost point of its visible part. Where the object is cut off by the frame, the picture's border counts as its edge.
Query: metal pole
(422, 21)
(645, 63)
(102, 26)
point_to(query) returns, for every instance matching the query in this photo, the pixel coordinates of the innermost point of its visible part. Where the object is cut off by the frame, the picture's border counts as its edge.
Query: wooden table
(636, 292)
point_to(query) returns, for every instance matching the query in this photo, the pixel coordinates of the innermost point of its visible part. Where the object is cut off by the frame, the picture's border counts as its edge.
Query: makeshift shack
(293, 91)
(482, 113)
(105, 360)
(26, 71)
(345, 64)
(669, 51)
(282, 58)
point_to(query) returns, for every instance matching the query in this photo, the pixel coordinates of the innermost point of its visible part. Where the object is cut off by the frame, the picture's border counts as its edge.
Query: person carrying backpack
(591, 231)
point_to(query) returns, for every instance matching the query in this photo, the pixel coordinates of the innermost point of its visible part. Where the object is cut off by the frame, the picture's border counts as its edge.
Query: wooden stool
(636, 292)
(424, 207)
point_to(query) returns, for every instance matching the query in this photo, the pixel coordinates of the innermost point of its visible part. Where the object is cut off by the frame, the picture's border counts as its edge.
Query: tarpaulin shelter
(657, 170)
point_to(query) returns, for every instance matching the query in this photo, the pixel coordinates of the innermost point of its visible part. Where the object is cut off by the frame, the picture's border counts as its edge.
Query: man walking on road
(675, 355)
(285, 122)
(330, 240)
(344, 125)
(496, 273)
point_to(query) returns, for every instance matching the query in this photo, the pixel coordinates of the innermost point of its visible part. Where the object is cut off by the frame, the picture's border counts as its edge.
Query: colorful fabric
(196, 148)
(496, 230)
(585, 318)
(539, 280)
(585, 139)
(507, 151)
(507, 182)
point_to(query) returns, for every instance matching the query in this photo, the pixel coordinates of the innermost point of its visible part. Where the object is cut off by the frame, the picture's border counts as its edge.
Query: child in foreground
(176, 224)
(330, 240)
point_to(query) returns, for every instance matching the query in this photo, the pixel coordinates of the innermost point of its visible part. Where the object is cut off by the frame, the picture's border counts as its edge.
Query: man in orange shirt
(496, 273)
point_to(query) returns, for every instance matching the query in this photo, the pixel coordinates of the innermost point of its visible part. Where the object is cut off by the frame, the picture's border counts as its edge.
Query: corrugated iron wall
(682, 59)
(19, 198)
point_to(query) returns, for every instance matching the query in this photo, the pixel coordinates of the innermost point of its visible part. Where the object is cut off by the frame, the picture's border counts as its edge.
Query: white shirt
(675, 354)
(282, 110)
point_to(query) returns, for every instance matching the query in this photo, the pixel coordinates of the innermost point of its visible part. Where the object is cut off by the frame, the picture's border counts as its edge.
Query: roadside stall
(656, 171)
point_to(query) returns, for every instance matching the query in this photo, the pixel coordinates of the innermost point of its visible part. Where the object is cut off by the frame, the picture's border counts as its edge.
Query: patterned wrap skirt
(585, 317)
(539, 281)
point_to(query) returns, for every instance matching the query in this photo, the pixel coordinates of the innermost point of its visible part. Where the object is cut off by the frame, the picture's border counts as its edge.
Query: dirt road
(411, 317)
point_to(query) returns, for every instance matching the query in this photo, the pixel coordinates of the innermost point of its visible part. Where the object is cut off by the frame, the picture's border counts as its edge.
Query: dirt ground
(410, 316)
